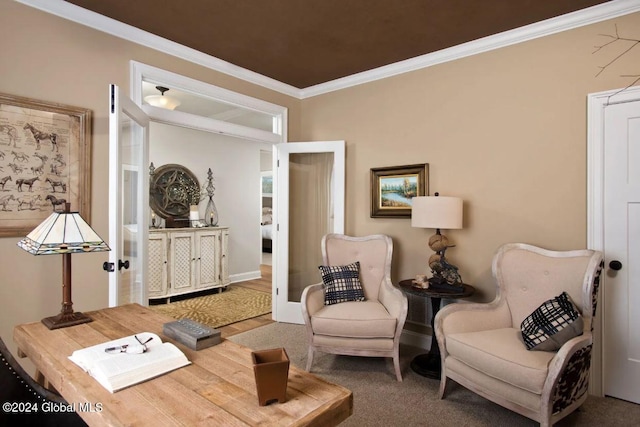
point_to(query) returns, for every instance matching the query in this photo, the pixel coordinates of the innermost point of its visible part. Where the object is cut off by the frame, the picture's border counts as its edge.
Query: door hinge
(277, 291)
(113, 99)
(278, 163)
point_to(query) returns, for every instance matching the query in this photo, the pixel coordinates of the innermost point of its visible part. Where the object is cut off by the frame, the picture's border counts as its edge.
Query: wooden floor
(263, 284)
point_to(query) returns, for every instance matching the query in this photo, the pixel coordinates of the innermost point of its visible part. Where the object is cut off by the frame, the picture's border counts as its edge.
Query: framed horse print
(45, 162)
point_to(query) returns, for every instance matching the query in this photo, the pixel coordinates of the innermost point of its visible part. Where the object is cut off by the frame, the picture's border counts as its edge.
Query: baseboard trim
(242, 277)
(415, 339)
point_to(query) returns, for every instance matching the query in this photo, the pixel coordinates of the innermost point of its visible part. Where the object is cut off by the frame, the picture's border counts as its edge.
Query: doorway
(266, 210)
(614, 227)
(235, 117)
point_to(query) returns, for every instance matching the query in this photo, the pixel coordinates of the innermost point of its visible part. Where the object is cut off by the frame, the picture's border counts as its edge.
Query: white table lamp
(439, 212)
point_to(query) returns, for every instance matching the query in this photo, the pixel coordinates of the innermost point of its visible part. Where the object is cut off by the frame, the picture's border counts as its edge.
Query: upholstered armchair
(371, 327)
(19, 387)
(482, 345)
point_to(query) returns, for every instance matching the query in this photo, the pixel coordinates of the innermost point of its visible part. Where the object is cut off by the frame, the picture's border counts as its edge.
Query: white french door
(622, 250)
(128, 199)
(309, 182)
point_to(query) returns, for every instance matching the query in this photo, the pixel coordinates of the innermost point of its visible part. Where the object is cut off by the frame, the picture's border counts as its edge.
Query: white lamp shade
(162, 101)
(63, 232)
(436, 212)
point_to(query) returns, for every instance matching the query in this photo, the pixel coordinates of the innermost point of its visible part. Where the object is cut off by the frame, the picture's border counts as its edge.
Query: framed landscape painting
(392, 189)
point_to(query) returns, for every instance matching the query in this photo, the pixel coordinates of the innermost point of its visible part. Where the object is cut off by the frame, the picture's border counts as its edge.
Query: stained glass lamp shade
(64, 233)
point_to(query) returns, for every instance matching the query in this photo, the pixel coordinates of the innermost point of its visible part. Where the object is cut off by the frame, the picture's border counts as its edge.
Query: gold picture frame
(393, 187)
(45, 161)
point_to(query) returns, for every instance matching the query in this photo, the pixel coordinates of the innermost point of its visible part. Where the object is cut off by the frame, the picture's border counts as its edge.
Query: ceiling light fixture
(162, 100)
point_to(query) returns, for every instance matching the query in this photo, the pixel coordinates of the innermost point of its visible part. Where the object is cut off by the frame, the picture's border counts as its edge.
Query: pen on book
(117, 349)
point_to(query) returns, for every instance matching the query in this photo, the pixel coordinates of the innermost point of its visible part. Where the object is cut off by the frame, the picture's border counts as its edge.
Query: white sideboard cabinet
(183, 260)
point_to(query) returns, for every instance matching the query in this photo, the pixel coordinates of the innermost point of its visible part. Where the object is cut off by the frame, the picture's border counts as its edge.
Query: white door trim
(284, 310)
(596, 102)
(140, 72)
(121, 104)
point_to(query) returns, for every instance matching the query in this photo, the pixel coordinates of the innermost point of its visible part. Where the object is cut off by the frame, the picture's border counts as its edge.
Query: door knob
(124, 264)
(615, 265)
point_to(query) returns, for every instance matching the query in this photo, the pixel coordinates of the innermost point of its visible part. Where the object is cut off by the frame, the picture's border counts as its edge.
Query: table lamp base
(66, 320)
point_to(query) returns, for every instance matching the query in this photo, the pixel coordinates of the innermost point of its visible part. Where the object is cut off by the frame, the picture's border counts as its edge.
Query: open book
(124, 364)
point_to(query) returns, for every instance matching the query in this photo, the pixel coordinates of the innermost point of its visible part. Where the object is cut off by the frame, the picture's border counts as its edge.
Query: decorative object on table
(210, 213)
(393, 188)
(47, 161)
(439, 212)
(421, 281)
(154, 220)
(172, 190)
(149, 359)
(271, 371)
(194, 215)
(194, 335)
(64, 233)
(162, 101)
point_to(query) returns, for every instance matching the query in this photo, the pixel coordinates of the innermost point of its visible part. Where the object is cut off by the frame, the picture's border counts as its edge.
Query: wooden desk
(218, 388)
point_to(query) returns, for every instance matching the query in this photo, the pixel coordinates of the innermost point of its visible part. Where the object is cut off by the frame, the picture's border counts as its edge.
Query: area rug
(379, 400)
(216, 310)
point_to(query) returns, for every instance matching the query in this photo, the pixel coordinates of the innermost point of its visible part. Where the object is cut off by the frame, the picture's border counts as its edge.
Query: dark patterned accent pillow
(341, 283)
(552, 324)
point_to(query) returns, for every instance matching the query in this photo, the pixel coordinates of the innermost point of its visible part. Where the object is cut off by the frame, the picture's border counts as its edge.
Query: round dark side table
(429, 364)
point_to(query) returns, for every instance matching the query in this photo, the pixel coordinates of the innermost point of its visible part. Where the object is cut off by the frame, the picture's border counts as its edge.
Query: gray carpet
(379, 400)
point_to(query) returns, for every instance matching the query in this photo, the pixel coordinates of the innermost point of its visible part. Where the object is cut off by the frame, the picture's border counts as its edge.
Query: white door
(308, 203)
(622, 244)
(128, 199)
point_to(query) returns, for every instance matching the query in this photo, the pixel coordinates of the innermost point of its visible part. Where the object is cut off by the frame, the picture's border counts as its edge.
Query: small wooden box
(192, 334)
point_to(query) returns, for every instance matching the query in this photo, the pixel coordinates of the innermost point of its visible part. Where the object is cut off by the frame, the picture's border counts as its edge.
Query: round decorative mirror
(171, 190)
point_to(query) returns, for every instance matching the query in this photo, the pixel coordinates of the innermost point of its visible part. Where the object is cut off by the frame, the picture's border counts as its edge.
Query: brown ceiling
(308, 42)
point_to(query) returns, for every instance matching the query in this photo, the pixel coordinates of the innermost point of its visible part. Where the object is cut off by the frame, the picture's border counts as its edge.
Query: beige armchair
(482, 348)
(358, 328)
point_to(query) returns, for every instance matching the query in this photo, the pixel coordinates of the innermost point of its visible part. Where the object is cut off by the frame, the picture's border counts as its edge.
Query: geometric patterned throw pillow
(341, 283)
(552, 324)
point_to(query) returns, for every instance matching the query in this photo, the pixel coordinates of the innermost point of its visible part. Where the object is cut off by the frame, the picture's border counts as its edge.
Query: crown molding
(602, 12)
(548, 27)
(127, 32)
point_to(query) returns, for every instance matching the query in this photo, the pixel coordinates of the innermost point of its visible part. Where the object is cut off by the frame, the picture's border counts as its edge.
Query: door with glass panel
(128, 199)
(309, 203)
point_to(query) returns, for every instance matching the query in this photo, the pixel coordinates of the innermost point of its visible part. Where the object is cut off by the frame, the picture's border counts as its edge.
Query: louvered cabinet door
(182, 262)
(224, 257)
(157, 274)
(207, 255)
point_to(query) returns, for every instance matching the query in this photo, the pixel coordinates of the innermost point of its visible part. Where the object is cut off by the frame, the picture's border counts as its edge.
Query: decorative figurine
(445, 274)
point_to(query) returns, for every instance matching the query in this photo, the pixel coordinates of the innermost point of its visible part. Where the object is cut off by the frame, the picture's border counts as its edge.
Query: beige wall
(505, 130)
(52, 59)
